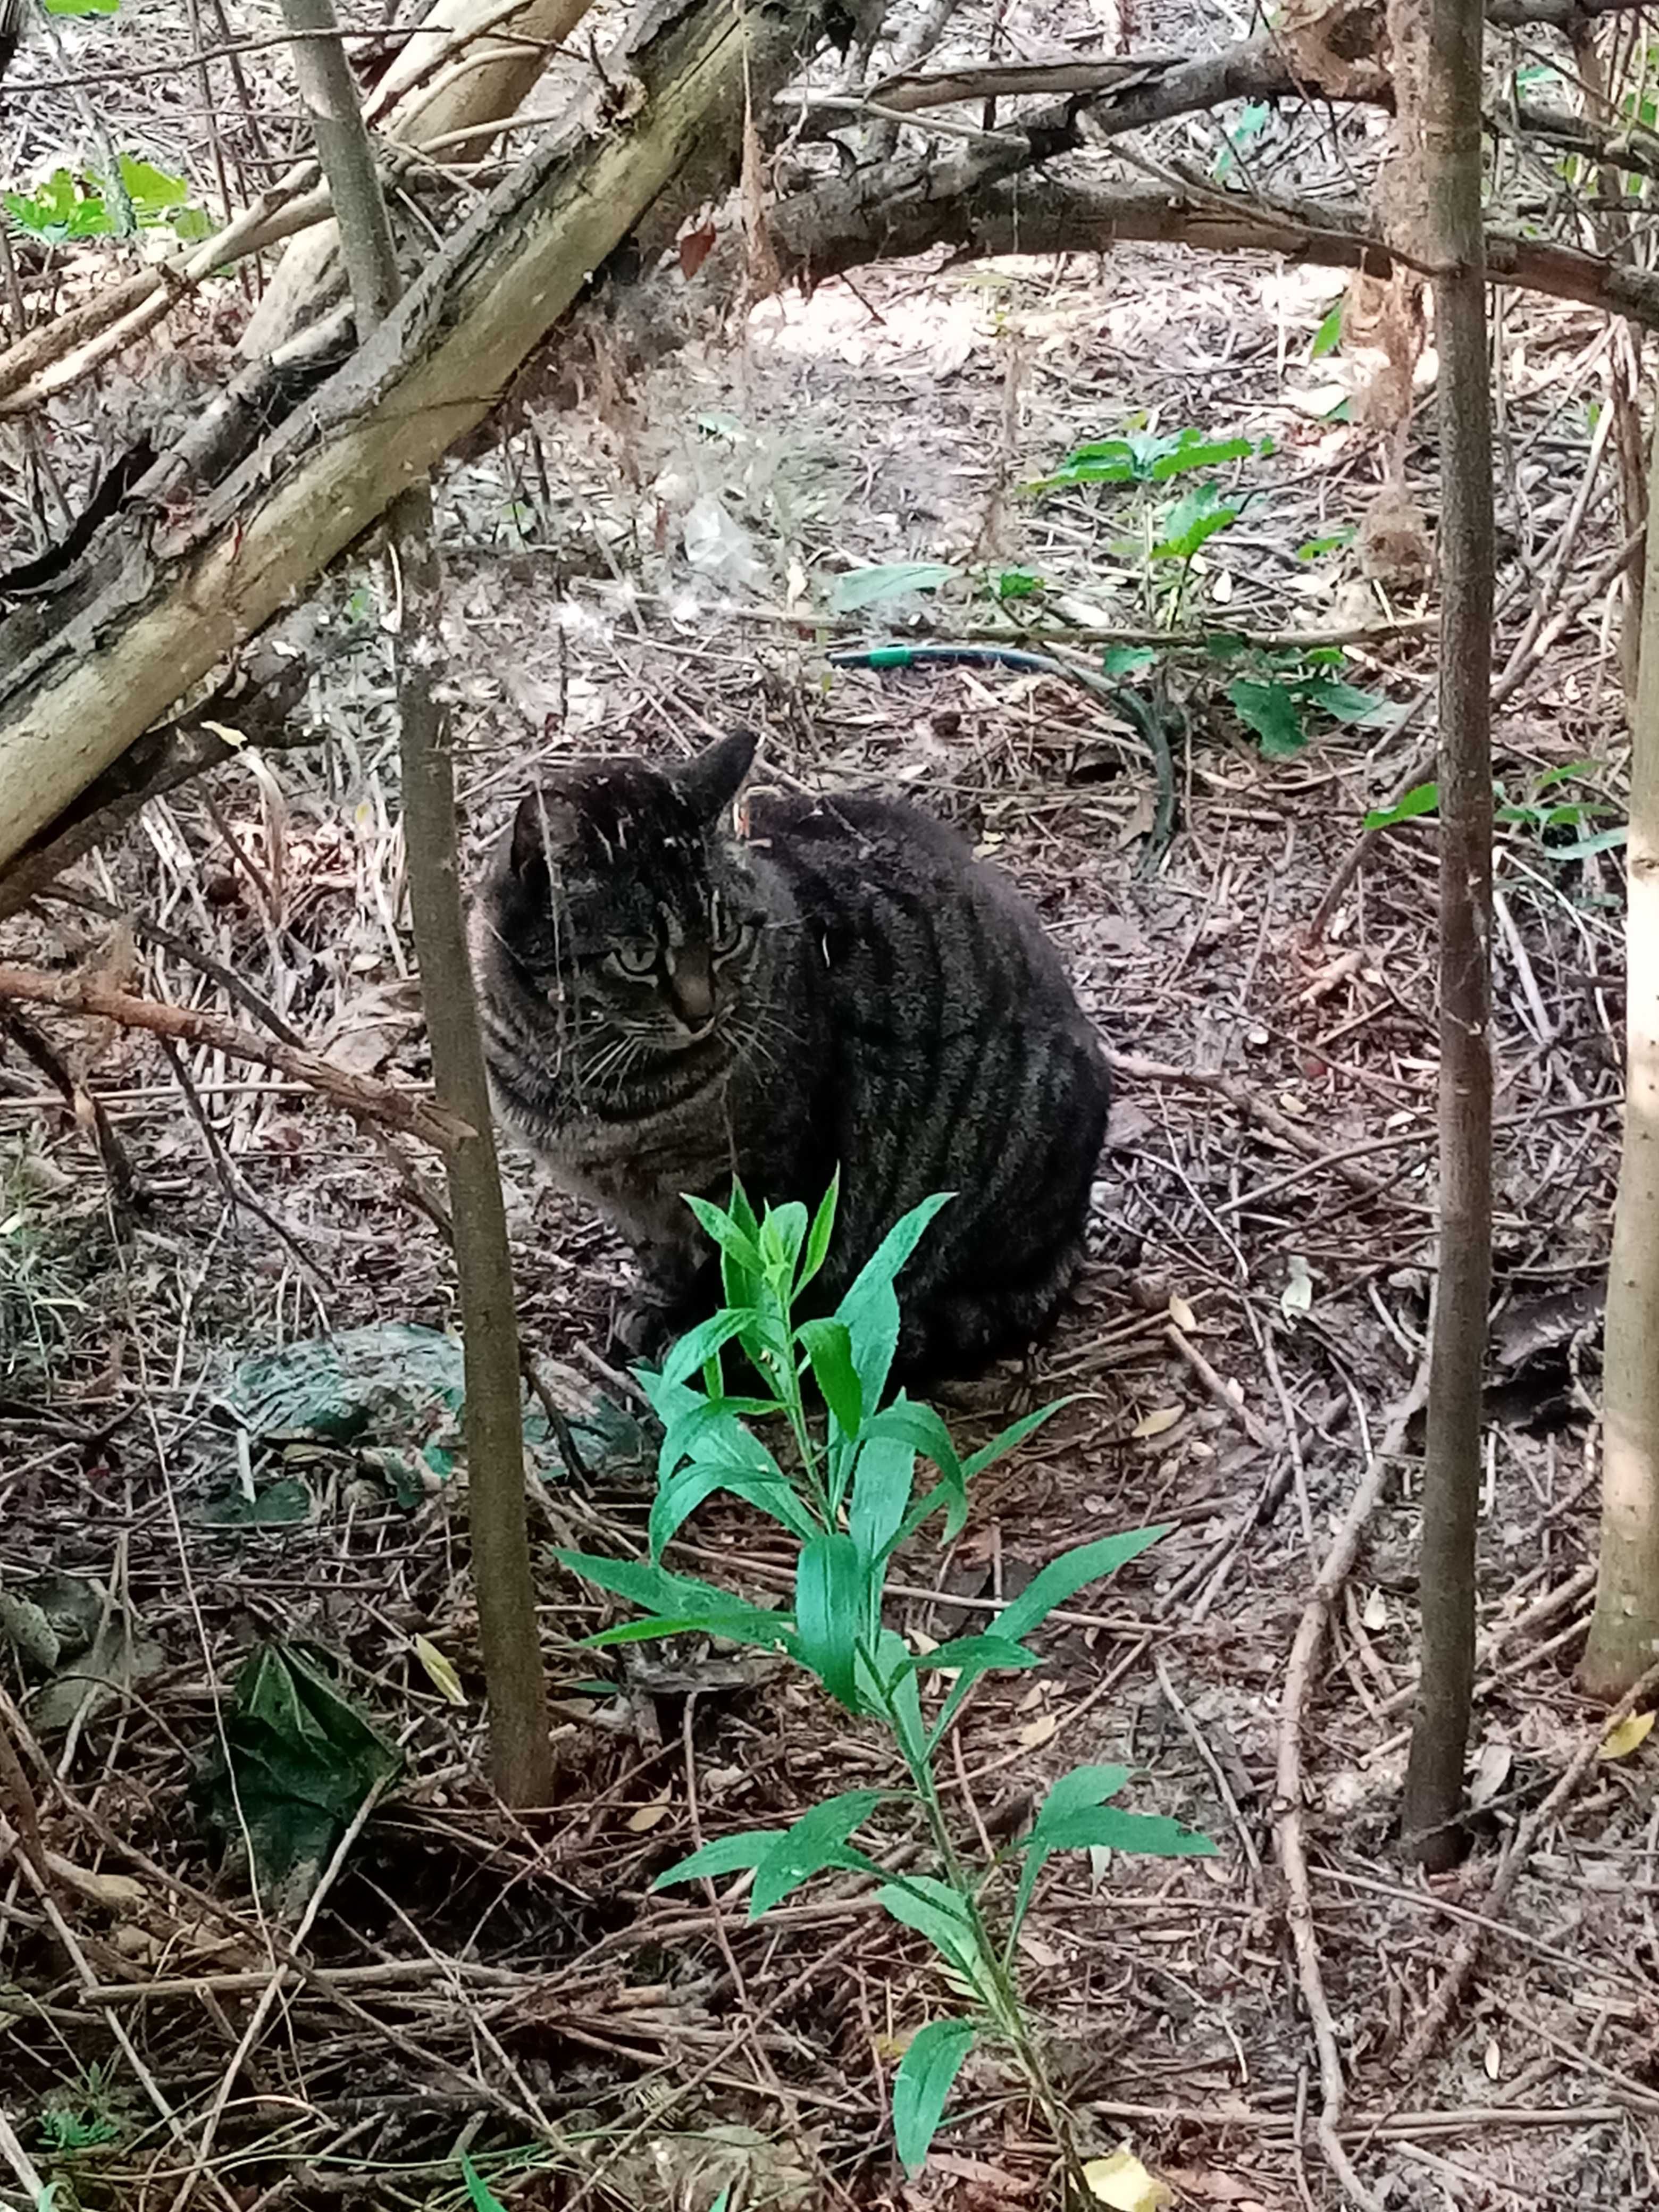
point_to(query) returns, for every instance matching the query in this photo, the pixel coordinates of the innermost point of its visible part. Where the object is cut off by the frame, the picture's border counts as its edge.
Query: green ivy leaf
(1270, 709)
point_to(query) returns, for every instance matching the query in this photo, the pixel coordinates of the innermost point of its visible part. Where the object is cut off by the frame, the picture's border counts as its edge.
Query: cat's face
(625, 902)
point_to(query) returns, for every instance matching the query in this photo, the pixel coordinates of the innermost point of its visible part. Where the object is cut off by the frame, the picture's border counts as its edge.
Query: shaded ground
(482, 1979)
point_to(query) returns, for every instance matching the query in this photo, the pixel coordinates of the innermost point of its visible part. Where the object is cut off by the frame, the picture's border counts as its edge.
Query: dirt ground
(507, 1986)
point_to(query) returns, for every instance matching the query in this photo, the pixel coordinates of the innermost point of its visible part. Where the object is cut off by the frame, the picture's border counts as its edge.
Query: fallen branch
(360, 1096)
(1287, 1826)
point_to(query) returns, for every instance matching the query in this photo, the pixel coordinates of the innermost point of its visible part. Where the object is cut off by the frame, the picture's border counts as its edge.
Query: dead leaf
(1633, 1730)
(695, 247)
(1036, 1733)
(442, 1675)
(1124, 2183)
(1491, 1771)
(1154, 1425)
(1374, 1612)
(1493, 2061)
(648, 1816)
(116, 1893)
(1183, 1316)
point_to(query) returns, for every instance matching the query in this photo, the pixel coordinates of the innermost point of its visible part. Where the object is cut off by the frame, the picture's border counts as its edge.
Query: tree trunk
(1445, 133)
(1624, 1637)
(185, 599)
(520, 1756)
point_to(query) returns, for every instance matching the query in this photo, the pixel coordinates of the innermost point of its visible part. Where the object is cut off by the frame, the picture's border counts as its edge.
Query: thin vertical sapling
(844, 1487)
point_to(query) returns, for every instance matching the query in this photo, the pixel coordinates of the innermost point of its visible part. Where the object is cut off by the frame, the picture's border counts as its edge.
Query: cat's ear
(544, 831)
(714, 778)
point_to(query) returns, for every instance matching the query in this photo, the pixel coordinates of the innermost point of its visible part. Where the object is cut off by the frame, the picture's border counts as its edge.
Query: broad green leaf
(1017, 584)
(818, 1839)
(151, 191)
(829, 1348)
(1270, 710)
(1192, 522)
(725, 1855)
(1344, 702)
(1122, 660)
(869, 1307)
(700, 1344)
(1329, 336)
(81, 7)
(1582, 771)
(921, 2087)
(1194, 452)
(1422, 798)
(890, 580)
(1149, 1835)
(1014, 1435)
(679, 1597)
(772, 1493)
(832, 1602)
(921, 1426)
(883, 1479)
(1605, 841)
(782, 1234)
(818, 1237)
(1063, 1578)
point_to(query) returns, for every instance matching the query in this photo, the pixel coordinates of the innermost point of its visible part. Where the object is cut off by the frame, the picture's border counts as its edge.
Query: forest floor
(477, 1981)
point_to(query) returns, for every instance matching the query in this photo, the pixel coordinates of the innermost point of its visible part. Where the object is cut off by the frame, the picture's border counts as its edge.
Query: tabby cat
(667, 1003)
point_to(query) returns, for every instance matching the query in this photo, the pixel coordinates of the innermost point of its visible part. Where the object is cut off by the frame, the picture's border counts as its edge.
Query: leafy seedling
(845, 1485)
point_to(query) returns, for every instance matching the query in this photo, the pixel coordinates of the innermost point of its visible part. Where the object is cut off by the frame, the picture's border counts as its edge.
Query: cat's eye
(635, 955)
(726, 931)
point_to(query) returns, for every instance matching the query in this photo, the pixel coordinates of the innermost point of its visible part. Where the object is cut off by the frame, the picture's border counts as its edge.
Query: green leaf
(741, 1239)
(1332, 542)
(772, 1493)
(1329, 336)
(193, 224)
(1421, 798)
(921, 1427)
(1196, 516)
(479, 2194)
(1195, 452)
(829, 1348)
(832, 1584)
(888, 1686)
(869, 1307)
(818, 1237)
(1014, 1435)
(1123, 660)
(973, 1655)
(1063, 1578)
(1343, 702)
(700, 1344)
(735, 1853)
(1270, 710)
(81, 7)
(933, 1909)
(1083, 1786)
(782, 1234)
(678, 1597)
(1150, 1835)
(814, 1842)
(1604, 841)
(151, 191)
(923, 2086)
(882, 1479)
(1017, 584)
(891, 579)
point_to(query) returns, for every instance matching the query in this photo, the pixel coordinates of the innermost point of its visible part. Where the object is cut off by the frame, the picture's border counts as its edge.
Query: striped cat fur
(668, 1001)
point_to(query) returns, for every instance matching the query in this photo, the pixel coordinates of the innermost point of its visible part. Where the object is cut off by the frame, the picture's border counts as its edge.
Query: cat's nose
(693, 986)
